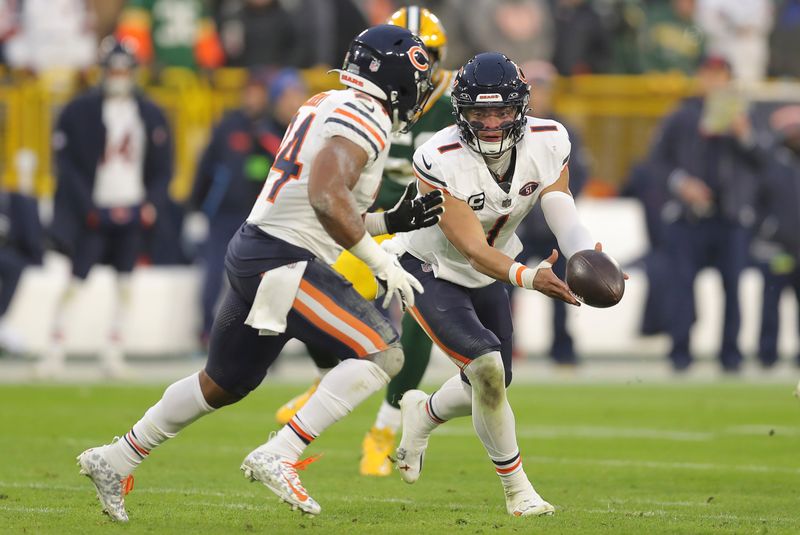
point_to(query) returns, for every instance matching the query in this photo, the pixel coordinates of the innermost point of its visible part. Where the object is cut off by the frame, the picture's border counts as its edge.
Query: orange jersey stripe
(425, 327)
(318, 322)
(363, 123)
(434, 186)
(343, 315)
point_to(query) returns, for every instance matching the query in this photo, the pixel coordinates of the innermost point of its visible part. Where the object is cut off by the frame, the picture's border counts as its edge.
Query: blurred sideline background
(616, 105)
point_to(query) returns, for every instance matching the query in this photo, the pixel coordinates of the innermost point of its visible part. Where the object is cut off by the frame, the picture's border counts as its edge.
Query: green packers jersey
(398, 174)
(174, 28)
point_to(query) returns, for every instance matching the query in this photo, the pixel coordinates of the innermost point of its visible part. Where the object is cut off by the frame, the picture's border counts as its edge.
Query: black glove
(412, 214)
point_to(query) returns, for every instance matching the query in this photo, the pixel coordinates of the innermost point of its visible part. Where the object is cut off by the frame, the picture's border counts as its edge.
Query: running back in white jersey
(446, 163)
(282, 208)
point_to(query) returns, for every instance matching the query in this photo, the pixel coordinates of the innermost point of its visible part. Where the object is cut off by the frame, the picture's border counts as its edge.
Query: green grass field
(669, 458)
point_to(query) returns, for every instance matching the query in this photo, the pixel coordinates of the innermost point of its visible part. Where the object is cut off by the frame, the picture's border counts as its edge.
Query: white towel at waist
(274, 297)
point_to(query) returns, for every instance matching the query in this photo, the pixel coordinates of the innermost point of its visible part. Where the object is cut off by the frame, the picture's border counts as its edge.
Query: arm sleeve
(75, 186)
(159, 160)
(205, 170)
(562, 218)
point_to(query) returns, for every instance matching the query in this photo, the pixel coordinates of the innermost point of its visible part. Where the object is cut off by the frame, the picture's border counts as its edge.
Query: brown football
(595, 278)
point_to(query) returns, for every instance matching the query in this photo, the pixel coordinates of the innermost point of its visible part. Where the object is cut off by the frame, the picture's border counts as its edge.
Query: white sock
(342, 389)
(55, 356)
(181, 404)
(452, 400)
(493, 418)
(388, 417)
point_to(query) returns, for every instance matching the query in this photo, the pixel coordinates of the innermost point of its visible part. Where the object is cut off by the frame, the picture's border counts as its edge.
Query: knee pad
(390, 360)
(487, 376)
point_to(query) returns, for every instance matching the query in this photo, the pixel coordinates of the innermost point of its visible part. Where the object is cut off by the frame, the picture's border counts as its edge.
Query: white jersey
(282, 208)
(119, 180)
(445, 162)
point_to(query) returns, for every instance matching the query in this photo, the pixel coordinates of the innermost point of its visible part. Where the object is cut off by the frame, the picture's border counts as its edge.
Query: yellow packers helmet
(424, 25)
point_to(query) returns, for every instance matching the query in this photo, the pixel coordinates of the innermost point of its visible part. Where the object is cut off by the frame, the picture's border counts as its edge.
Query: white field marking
(681, 514)
(194, 492)
(24, 509)
(626, 463)
(763, 430)
(590, 431)
(143, 490)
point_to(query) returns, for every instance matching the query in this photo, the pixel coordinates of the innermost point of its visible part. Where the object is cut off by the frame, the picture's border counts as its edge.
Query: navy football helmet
(391, 64)
(490, 80)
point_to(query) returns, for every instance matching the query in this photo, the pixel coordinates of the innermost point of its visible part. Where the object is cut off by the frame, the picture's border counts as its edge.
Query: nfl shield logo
(506, 203)
(374, 65)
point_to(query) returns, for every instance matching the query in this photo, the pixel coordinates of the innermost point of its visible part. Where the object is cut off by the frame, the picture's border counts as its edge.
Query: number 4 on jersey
(286, 162)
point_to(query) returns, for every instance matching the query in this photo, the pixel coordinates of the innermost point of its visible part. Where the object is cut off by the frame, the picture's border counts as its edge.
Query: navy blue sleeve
(159, 159)
(208, 162)
(72, 181)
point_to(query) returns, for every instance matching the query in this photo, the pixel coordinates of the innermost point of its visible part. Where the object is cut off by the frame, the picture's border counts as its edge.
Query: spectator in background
(51, 34)
(582, 44)
(672, 40)
(785, 40)
(738, 30)
(706, 159)
(644, 185)
(520, 29)
(21, 239)
(257, 32)
(113, 155)
(777, 245)
(234, 166)
(325, 29)
(171, 33)
(537, 239)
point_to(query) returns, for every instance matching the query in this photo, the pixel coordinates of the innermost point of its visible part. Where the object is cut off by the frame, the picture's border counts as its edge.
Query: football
(595, 278)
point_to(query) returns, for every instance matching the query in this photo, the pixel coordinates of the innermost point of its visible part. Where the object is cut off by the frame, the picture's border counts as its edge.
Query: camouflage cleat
(280, 476)
(111, 486)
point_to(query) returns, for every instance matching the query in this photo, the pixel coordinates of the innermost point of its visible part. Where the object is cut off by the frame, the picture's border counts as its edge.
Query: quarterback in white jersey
(492, 166)
(324, 179)
(445, 162)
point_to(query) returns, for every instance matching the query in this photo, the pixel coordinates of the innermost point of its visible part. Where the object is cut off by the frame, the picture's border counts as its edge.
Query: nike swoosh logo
(369, 108)
(299, 495)
(426, 164)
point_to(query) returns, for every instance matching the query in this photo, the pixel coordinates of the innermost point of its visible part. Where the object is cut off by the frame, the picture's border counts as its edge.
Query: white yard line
(38, 510)
(627, 463)
(587, 431)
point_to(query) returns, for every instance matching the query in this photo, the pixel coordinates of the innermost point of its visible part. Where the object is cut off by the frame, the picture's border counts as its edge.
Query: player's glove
(411, 214)
(392, 278)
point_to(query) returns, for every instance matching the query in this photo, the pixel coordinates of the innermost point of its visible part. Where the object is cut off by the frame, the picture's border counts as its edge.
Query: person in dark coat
(537, 238)
(234, 166)
(113, 156)
(777, 243)
(21, 245)
(706, 158)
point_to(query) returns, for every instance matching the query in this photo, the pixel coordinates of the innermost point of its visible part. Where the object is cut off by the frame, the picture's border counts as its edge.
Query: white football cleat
(279, 475)
(528, 503)
(111, 486)
(416, 431)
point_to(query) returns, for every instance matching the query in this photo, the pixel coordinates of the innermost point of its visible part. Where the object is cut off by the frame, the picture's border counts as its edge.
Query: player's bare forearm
(334, 172)
(465, 232)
